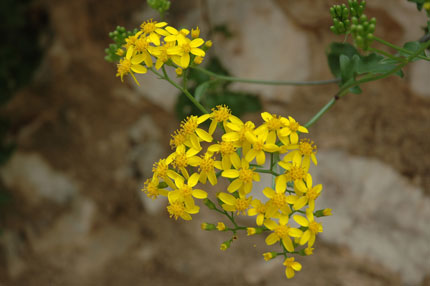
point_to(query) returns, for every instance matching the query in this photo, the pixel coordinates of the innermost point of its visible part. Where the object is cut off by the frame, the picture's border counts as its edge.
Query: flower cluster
(240, 151)
(156, 41)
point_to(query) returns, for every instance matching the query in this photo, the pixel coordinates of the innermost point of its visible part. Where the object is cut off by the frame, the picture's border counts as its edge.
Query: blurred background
(76, 145)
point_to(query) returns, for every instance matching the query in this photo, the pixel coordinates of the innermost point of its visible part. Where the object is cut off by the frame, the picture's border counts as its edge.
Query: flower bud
(251, 231)
(178, 71)
(208, 44)
(207, 226)
(198, 60)
(269, 255)
(225, 245)
(195, 33)
(221, 226)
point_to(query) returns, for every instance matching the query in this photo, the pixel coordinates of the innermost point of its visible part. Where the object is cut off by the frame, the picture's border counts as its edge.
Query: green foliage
(118, 36)
(213, 92)
(159, 5)
(346, 63)
(352, 20)
(419, 3)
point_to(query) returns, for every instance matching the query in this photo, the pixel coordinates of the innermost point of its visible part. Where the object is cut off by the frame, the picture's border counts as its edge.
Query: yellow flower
(190, 128)
(161, 170)
(207, 165)
(151, 188)
(220, 114)
(282, 231)
(260, 146)
(232, 204)
(181, 53)
(225, 245)
(178, 209)
(237, 133)
(161, 54)
(221, 226)
(208, 44)
(293, 172)
(259, 209)
(327, 212)
(243, 178)
(198, 60)
(310, 193)
(175, 34)
(291, 128)
(178, 71)
(141, 47)
(313, 228)
(152, 29)
(269, 255)
(309, 251)
(291, 267)
(130, 64)
(278, 200)
(228, 154)
(184, 192)
(306, 151)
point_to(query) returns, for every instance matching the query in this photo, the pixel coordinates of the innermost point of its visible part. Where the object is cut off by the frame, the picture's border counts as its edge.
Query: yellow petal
(301, 220)
(138, 69)
(193, 180)
(204, 135)
(289, 272)
(227, 198)
(288, 243)
(198, 52)
(196, 42)
(199, 194)
(235, 185)
(305, 237)
(270, 224)
(185, 60)
(272, 239)
(230, 174)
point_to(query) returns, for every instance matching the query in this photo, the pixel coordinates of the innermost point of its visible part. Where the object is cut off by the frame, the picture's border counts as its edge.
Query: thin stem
(400, 49)
(267, 82)
(399, 59)
(344, 89)
(266, 172)
(185, 91)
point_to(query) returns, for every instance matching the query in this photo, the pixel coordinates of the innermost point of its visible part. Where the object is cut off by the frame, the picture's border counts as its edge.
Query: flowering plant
(240, 151)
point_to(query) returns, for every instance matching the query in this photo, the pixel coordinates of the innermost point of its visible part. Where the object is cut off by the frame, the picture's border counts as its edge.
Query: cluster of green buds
(118, 36)
(159, 5)
(352, 20)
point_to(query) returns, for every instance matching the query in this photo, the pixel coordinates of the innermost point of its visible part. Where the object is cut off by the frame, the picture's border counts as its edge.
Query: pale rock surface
(265, 45)
(36, 180)
(419, 78)
(376, 212)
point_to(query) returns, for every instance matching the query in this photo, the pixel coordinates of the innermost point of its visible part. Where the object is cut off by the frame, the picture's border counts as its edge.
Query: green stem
(399, 59)
(400, 49)
(267, 82)
(185, 91)
(266, 172)
(344, 89)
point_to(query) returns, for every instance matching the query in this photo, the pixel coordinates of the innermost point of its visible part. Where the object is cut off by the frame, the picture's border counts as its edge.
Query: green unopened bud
(370, 36)
(209, 204)
(207, 226)
(354, 20)
(333, 29)
(338, 10)
(162, 185)
(225, 245)
(363, 18)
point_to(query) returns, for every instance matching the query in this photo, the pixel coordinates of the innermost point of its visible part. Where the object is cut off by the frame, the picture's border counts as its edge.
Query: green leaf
(412, 47)
(333, 56)
(201, 89)
(374, 64)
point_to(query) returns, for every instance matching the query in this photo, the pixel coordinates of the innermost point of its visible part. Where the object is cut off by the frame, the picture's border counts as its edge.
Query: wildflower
(282, 231)
(175, 34)
(190, 127)
(291, 128)
(309, 251)
(313, 227)
(258, 209)
(291, 267)
(130, 64)
(178, 139)
(151, 188)
(181, 53)
(178, 209)
(237, 133)
(259, 146)
(161, 54)
(178, 71)
(273, 124)
(220, 226)
(208, 44)
(293, 172)
(207, 165)
(152, 29)
(141, 46)
(228, 154)
(305, 151)
(232, 204)
(220, 114)
(243, 178)
(311, 193)
(207, 226)
(184, 192)
(278, 200)
(327, 212)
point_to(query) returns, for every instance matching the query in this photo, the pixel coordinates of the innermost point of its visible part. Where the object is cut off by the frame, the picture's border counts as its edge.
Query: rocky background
(86, 143)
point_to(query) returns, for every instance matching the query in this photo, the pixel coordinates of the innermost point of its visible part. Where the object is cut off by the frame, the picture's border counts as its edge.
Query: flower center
(242, 204)
(186, 190)
(248, 126)
(307, 147)
(296, 173)
(186, 47)
(294, 126)
(178, 138)
(259, 145)
(190, 124)
(181, 160)
(246, 175)
(148, 27)
(279, 200)
(282, 231)
(176, 209)
(160, 168)
(207, 164)
(227, 148)
(314, 226)
(124, 67)
(312, 194)
(274, 124)
(151, 189)
(141, 45)
(221, 113)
